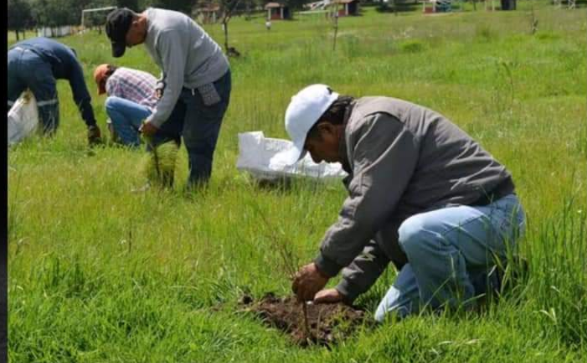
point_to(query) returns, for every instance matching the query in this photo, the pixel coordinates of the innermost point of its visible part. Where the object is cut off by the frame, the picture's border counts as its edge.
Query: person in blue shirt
(37, 64)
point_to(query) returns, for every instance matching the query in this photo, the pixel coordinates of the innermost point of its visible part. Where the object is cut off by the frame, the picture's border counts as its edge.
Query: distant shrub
(158, 166)
(547, 36)
(351, 44)
(412, 46)
(485, 33)
(384, 8)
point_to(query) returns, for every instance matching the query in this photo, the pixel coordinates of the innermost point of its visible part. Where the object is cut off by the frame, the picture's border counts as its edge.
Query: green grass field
(100, 274)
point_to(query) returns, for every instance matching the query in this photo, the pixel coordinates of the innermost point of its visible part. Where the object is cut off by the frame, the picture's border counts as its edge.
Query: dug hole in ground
(328, 324)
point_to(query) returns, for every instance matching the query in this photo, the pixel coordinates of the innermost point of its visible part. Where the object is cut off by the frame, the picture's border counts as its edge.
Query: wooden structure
(436, 6)
(348, 8)
(277, 11)
(559, 3)
(208, 14)
(56, 32)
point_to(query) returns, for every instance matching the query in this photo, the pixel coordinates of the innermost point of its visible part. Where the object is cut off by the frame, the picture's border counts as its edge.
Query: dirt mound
(327, 323)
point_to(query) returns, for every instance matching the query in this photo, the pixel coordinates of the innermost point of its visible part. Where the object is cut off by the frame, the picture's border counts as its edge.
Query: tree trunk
(225, 26)
(17, 38)
(335, 29)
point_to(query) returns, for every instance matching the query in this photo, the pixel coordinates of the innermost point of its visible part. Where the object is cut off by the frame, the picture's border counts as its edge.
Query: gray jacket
(403, 159)
(185, 53)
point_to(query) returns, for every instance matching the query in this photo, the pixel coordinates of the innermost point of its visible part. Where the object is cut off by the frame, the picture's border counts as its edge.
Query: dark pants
(26, 69)
(197, 118)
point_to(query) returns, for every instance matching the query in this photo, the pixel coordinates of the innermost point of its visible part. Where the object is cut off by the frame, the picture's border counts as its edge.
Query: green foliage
(485, 33)
(412, 46)
(19, 15)
(131, 4)
(53, 13)
(184, 6)
(159, 165)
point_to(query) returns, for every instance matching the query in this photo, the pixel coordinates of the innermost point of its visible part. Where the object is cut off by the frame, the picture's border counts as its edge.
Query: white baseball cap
(303, 112)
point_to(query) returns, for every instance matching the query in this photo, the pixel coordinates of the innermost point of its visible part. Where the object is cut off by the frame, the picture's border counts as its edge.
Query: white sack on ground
(23, 118)
(256, 151)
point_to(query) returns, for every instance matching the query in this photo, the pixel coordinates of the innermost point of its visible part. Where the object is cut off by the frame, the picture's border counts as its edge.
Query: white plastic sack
(256, 152)
(23, 118)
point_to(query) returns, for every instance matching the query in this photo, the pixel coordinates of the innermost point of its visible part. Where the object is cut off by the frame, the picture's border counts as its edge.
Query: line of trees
(19, 16)
(28, 14)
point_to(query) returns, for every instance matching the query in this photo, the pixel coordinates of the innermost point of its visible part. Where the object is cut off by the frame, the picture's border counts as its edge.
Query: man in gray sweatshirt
(195, 85)
(422, 194)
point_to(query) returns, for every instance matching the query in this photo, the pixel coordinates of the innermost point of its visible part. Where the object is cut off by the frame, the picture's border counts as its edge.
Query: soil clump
(328, 323)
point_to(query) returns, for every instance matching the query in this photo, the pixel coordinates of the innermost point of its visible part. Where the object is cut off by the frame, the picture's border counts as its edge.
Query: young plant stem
(306, 326)
(335, 28)
(155, 156)
(289, 261)
(228, 8)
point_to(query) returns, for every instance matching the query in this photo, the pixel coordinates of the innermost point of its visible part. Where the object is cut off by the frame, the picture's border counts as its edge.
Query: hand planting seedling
(305, 322)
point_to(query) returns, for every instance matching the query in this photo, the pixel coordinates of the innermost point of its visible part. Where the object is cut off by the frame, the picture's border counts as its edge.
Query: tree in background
(296, 4)
(131, 4)
(185, 6)
(54, 13)
(19, 16)
(228, 7)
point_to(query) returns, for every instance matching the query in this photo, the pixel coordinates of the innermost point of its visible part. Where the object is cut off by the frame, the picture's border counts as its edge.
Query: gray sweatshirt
(403, 159)
(186, 54)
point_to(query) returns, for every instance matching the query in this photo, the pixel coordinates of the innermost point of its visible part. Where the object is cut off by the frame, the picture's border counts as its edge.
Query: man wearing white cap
(422, 194)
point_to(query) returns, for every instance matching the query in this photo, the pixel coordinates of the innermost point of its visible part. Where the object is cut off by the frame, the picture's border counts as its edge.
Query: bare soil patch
(327, 323)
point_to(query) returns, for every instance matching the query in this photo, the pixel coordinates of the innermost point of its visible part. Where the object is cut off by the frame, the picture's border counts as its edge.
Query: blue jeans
(451, 253)
(25, 70)
(126, 117)
(197, 118)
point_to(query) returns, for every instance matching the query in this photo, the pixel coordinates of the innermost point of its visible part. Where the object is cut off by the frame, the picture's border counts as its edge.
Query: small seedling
(288, 258)
(159, 164)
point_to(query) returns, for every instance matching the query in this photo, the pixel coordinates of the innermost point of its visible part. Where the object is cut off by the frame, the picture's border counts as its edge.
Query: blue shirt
(64, 65)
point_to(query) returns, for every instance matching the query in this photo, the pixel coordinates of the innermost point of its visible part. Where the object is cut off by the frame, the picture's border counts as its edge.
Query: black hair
(111, 70)
(335, 115)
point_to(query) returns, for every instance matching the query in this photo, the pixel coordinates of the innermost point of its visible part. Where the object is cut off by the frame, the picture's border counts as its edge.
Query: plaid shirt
(133, 85)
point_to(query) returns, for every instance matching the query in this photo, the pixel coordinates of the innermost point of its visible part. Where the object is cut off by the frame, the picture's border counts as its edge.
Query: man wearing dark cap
(37, 64)
(195, 81)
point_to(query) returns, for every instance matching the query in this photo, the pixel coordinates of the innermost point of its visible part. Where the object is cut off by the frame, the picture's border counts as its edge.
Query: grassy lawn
(100, 274)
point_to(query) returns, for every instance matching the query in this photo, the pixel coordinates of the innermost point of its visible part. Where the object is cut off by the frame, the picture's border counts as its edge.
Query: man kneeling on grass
(132, 97)
(422, 194)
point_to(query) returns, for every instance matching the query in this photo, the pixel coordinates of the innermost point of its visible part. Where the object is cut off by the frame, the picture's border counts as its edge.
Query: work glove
(94, 136)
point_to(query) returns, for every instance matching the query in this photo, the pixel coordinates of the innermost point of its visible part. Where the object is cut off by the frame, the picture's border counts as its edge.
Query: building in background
(277, 11)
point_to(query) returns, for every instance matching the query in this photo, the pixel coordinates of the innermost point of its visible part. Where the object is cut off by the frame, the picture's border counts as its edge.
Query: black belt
(506, 187)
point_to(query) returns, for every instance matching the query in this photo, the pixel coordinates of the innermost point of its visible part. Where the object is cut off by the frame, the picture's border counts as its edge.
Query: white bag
(256, 152)
(23, 118)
